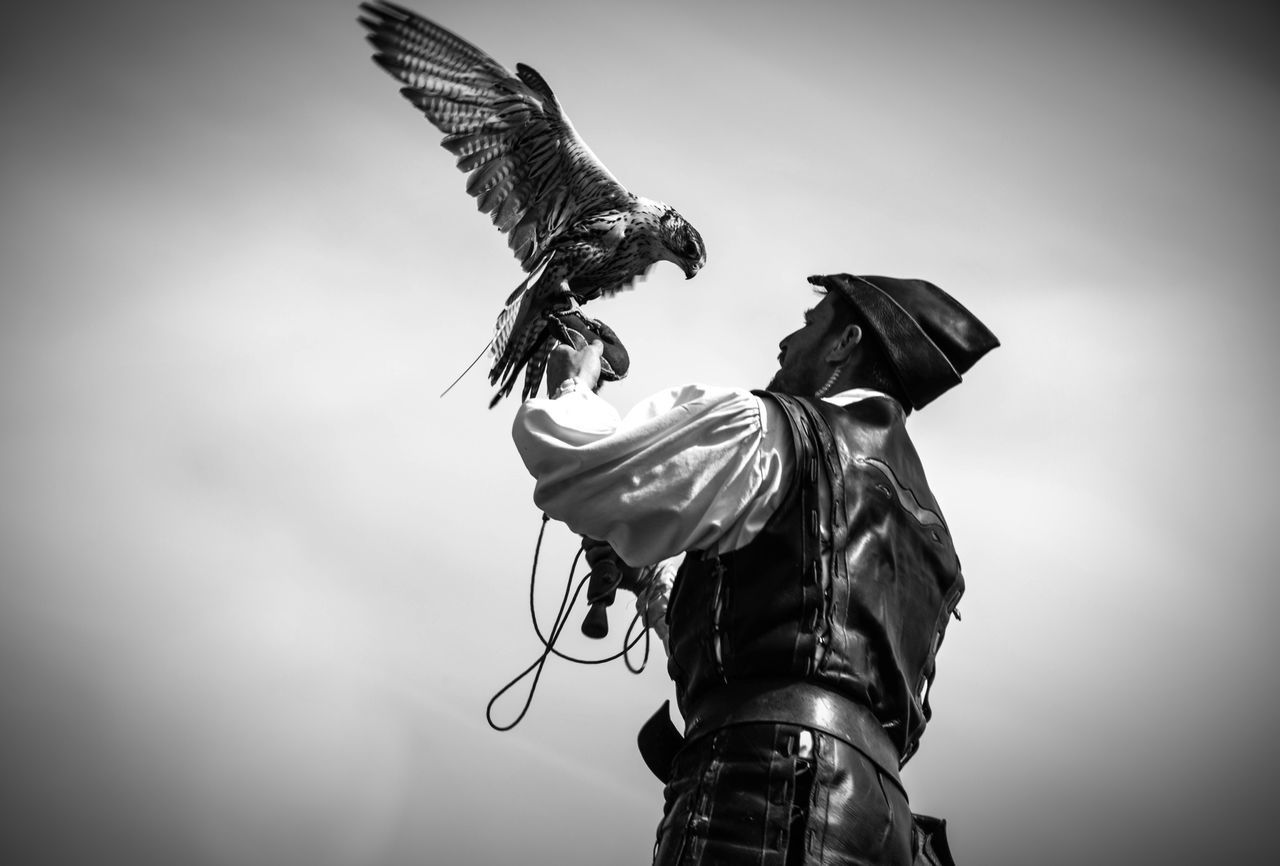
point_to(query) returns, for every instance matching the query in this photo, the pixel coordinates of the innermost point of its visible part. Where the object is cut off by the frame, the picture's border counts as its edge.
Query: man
(818, 579)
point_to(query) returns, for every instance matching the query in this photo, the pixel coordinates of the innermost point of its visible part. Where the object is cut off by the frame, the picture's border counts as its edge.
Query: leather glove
(577, 330)
(608, 575)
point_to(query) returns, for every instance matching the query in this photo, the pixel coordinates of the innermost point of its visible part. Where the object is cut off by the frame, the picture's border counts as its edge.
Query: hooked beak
(690, 269)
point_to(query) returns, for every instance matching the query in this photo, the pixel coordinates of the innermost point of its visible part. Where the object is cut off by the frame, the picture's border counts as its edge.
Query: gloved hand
(608, 575)
(580, 338)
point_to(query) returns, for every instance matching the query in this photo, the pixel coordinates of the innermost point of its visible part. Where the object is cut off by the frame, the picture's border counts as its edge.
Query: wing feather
(528, 167)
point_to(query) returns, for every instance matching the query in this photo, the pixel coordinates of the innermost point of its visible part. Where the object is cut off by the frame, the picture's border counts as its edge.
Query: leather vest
(849, 587)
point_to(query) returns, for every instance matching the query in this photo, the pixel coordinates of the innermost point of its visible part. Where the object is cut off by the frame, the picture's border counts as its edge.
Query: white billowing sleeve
(693, 468)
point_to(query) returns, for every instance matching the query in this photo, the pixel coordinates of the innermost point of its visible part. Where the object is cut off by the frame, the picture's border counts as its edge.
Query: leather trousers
(750, 794)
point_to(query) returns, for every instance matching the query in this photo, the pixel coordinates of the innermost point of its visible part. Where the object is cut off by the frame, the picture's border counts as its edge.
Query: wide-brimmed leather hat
(929, 337)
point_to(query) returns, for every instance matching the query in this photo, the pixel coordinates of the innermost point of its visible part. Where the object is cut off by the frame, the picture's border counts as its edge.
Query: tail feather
(533, 343)
(518, 346)
(515, 311)
(535, 368)
(505, 325)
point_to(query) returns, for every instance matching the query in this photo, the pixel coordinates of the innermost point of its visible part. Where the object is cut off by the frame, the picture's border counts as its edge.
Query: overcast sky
(259, 581)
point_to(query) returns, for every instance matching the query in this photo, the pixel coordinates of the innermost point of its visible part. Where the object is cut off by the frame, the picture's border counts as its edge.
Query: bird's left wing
(529, 169)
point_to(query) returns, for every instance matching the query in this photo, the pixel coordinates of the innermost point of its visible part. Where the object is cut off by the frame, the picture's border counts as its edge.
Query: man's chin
(781, 385)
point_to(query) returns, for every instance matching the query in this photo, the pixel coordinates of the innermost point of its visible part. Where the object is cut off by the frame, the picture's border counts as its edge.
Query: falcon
(578, 233)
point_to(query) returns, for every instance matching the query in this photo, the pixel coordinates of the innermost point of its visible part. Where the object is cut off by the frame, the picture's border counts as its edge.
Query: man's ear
(844, 344)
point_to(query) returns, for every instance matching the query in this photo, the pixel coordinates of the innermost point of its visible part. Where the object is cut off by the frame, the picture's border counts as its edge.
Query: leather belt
(772, 702)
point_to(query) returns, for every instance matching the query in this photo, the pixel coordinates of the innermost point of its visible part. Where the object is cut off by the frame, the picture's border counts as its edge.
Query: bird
(577, 232)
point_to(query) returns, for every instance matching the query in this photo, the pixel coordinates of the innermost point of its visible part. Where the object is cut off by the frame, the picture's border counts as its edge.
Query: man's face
(801, 367)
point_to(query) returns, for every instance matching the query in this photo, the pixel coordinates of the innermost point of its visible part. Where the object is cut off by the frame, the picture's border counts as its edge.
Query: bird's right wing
(529, 169)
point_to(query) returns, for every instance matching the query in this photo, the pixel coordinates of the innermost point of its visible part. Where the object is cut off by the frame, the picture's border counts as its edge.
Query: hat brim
(929, 338)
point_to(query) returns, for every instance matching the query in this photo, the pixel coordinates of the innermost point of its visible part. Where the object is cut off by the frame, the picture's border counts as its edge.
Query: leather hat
(930, 339)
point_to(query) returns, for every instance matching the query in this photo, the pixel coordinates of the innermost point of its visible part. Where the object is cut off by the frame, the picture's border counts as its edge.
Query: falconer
(817, 580)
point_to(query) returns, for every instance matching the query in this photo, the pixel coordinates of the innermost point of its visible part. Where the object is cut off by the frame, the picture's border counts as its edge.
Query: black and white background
(257, 582)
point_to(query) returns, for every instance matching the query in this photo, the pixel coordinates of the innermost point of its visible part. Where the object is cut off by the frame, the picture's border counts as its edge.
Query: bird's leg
(565, 306)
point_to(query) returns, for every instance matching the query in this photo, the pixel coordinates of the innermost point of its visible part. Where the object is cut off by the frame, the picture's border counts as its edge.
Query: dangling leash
(571, 327)
(548, 641)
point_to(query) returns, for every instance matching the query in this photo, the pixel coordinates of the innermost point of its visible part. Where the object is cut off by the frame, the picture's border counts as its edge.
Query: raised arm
(691, 468)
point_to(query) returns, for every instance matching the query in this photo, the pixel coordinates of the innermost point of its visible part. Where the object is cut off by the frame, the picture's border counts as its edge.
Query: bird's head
(681, 243)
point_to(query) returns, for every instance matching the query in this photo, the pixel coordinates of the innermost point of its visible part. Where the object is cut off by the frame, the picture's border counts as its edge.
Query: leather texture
(929, 846)
(846, 593)
(615, 361)
(813, 707)
(659, 741)
(849, 586)
(747, 795)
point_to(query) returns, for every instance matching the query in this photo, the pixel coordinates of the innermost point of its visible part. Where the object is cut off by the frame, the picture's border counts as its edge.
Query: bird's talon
(564, 333)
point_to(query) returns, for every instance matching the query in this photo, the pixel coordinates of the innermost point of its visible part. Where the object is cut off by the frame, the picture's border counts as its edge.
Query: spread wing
(529, 169)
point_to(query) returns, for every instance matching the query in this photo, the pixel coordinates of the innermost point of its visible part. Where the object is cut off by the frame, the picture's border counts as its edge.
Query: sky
(258, 581)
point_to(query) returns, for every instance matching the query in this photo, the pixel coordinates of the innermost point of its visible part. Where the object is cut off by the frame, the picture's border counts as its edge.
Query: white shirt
(692, 468)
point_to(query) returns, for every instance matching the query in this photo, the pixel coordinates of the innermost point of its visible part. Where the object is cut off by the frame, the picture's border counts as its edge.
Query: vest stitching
(929, 669)
(825, 450)
(717, 610)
